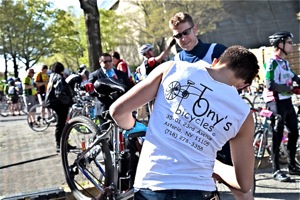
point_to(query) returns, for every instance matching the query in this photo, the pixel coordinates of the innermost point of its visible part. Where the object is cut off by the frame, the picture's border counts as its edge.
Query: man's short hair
(57, 67)
(115, 54)
(179, 18)
(241, 61)
(44, 67)
(104, 55)
(30, 70)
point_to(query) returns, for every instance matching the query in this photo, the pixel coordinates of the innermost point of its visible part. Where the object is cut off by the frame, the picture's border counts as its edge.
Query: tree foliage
(114, 30)
(154, 28)
(31, 29)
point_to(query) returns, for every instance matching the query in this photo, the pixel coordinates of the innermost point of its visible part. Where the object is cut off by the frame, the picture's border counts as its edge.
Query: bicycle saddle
(106, 86)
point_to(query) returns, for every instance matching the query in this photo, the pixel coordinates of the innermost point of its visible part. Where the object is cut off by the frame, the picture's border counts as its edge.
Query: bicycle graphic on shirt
(175, 89)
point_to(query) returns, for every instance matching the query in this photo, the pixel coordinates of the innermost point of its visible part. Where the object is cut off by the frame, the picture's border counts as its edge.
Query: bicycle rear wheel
(38, 117)
(254, 114)
(259, 145)
(4, 108)
(87, 163)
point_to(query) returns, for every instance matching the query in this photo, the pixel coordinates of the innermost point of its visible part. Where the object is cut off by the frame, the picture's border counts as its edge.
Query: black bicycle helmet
(278, 37)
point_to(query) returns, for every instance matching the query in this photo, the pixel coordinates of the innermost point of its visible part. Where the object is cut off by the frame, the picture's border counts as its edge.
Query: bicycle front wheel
(86, 161)
(259, 145)
(38, 118)
(4, 108)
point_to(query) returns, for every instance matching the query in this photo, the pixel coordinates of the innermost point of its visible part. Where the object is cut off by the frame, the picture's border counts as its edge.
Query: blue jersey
(202, 51)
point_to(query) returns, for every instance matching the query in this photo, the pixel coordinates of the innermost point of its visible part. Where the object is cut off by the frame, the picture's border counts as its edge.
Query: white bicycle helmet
(146, 47)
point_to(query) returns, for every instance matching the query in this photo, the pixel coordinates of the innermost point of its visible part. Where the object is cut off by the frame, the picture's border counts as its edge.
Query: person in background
(41, 79)
(121, 65)
(19, 85)
(107, 71)
(193, 49)
(29, 95)
(150, 60)
(59, 98)
(11, 91)
(186, 131)
(279, 78)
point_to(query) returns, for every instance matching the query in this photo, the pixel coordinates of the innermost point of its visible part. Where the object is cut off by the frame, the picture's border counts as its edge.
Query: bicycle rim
(259, 145)
(41, 115)
(84, 172)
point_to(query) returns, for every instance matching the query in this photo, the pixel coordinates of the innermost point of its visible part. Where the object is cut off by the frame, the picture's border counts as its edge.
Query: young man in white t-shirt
(197, 110)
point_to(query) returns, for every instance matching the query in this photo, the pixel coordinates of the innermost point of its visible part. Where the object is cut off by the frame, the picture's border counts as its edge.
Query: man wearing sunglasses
(107, 71)
(193, 49)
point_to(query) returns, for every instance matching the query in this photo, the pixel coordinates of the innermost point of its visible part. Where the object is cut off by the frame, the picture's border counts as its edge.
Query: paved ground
(29, 167)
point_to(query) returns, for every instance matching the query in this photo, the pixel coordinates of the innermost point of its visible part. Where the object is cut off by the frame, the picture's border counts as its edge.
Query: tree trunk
(91, 16)
(6, 66)
(16, 73)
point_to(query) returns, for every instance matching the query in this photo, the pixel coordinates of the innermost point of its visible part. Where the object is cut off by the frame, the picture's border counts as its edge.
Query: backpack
(11, 90)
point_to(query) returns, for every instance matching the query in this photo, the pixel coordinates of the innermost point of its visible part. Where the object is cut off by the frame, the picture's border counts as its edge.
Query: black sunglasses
(185, 32)
(107, 61)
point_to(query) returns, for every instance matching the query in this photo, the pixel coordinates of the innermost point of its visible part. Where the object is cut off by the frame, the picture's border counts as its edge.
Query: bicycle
(5, 108)
(258, 100)
(83, 106)
(43, 117)
(96, 162)
(40, 117)
(261, 143)
(254, 114)
(101, 157)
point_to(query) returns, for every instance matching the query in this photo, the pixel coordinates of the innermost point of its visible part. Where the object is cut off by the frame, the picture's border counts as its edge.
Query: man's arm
(240, 176)
(139, 95)
(164, 54)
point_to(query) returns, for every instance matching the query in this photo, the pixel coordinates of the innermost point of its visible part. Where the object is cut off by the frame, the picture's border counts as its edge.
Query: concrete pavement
(31, 169)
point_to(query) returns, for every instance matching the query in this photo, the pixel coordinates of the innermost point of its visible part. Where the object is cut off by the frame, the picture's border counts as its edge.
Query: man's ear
(215, 61)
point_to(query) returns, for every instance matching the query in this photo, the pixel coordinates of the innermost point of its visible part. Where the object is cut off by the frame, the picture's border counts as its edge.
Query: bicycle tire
(77, 128)
(254, 114)
(40, 121)
(259, 145)
(4, 109)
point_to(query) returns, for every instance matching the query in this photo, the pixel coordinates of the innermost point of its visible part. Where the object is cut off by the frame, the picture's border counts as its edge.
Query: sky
(61, 4)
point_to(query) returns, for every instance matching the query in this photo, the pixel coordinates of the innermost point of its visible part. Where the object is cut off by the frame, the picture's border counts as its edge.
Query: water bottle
(92, 112)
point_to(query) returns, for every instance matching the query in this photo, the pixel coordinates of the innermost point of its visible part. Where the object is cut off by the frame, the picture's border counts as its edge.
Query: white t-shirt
(192, 119)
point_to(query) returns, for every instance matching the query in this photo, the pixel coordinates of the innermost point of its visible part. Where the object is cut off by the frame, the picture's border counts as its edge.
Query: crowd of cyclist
(278, 84)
